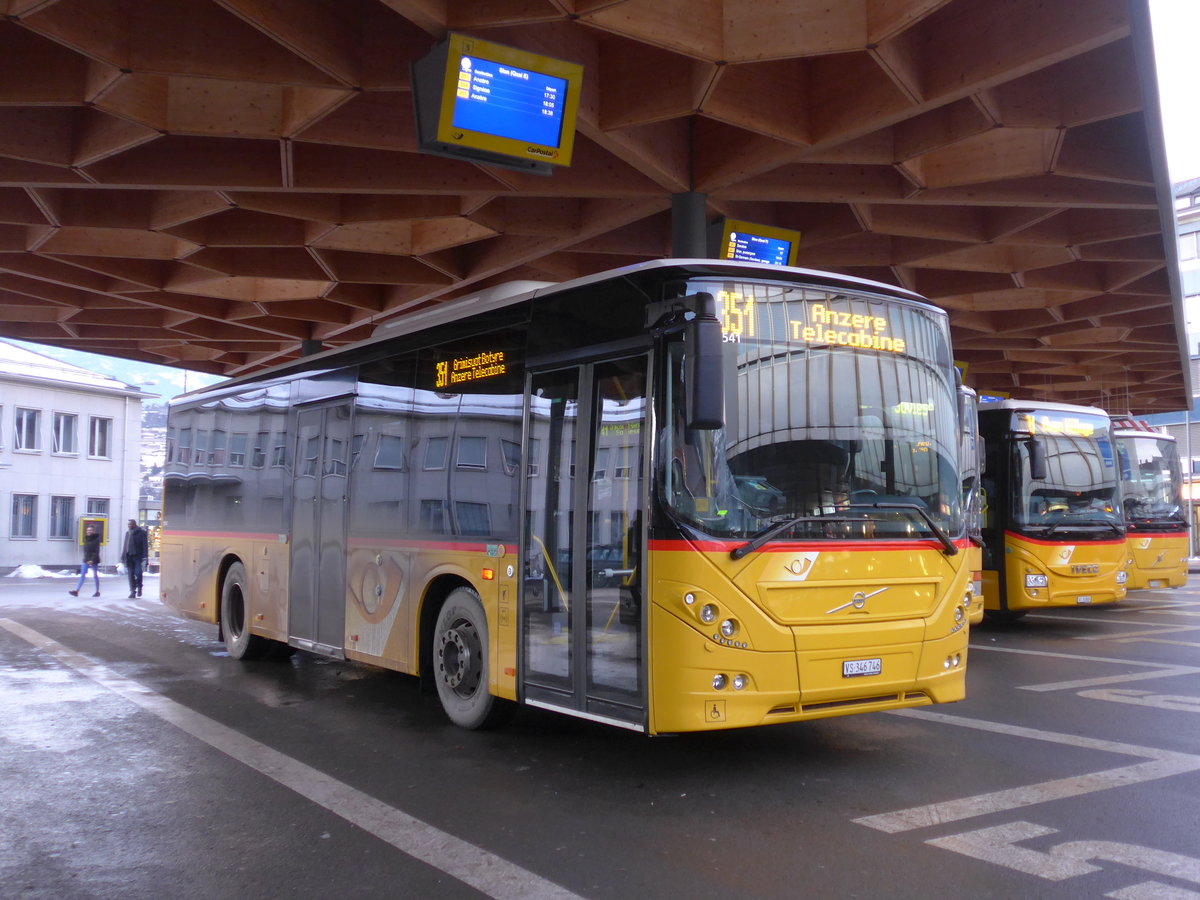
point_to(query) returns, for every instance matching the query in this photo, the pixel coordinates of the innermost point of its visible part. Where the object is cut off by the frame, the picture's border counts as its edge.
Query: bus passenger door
(317, 597)
(582, 622)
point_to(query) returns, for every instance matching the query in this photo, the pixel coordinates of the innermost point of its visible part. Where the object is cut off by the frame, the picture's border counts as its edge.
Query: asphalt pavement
(139, 761)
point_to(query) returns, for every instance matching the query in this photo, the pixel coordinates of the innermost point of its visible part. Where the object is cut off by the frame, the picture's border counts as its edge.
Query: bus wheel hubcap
(460, 657)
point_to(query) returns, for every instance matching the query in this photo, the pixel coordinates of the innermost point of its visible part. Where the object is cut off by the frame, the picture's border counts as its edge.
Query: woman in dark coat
(91, 557)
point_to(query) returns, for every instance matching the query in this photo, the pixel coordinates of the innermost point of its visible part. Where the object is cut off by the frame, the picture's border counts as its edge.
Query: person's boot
(73, 593)
(97, 594)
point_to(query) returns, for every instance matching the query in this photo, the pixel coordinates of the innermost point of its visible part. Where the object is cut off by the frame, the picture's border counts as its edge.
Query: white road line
(472, 865)
(1157, 670)
(1157, 764)
(1072, 858)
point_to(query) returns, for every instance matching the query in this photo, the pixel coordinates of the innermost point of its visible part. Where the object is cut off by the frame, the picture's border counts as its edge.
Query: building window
(27, 433)
(200, 447)
(512, 456)
(1187, 245)
(185, 446)
(279, 454)
(97, 506)
(258, 456)
(216, 453)
(534, 466)
(64, 433)
(24, 516)
(100, 440)
(237, 448)
(433, 516)
(601, 470)
(436, 451)
(390, 452)
(62, 517)
(472, 453)
(472, 518)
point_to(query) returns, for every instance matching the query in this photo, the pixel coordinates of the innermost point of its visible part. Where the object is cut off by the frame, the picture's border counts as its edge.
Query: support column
(689, 228)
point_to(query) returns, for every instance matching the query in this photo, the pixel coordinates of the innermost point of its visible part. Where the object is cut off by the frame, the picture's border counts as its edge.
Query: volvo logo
(858, 601)
(1085, 570)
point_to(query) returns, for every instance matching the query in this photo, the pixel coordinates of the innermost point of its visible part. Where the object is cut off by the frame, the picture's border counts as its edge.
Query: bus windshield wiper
(1052, 527)
(773, 531)
(944, 539)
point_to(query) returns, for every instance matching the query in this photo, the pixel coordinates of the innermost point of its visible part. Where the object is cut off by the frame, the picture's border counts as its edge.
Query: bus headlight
(1122, 577)
(1036, 580)
(740, 682)
(719, 682)
(958, 615)
(708, 613)
(729, 628)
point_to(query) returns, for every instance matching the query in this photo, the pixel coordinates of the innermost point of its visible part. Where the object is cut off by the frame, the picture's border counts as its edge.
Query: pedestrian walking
(134, 554)
(91, 559)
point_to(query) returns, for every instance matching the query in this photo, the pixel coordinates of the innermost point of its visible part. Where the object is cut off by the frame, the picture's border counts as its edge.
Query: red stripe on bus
(794, 546)
(227, 535)
(1032, 540)
(399, 544)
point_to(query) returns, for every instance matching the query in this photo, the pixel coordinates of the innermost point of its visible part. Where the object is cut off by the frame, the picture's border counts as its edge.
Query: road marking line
(1124, 636)
(1158, 670)
(1173, 702)
(1157, 764)
(1070, 859)
(472, 865)
(1153, 890)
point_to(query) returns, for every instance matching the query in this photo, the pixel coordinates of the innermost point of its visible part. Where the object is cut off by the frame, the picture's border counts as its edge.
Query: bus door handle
(610, 573)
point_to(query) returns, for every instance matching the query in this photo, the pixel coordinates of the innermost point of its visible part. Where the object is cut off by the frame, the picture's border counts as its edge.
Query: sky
(1176, 27)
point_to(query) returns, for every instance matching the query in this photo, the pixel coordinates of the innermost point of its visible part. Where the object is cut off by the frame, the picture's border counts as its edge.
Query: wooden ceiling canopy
(212, 183)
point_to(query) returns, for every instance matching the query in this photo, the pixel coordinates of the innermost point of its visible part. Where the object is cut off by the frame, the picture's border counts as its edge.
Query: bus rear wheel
(235, 625)
(460, 663)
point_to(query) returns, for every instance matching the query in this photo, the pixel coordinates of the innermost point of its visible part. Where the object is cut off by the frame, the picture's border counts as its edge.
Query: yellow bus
(678, 496)
(971, 456)
(1053, 533)
(1156, 519)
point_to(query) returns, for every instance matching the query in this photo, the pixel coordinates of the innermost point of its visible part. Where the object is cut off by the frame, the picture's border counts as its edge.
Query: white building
(70, 443)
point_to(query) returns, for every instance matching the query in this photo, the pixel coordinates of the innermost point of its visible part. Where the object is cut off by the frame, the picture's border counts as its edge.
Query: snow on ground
(39, 572)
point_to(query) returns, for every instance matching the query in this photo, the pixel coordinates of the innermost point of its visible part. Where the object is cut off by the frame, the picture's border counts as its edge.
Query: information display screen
(509, 102)
(749, 242)
(491, 103)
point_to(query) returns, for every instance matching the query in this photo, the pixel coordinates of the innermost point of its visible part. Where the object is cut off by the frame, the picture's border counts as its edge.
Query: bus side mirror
(705, 378)
(1037, 459)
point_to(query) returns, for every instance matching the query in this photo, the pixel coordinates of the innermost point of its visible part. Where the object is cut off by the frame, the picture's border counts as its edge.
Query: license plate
(1156, 584)
(1083, 599)
(852, 668)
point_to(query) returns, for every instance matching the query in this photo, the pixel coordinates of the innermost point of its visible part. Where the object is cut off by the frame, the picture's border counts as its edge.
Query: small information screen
(747, 247)
(509, 102)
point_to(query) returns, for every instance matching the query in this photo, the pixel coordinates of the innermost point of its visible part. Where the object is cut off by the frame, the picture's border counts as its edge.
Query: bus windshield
(1079, 491)
(1151, 480)
(841, 420)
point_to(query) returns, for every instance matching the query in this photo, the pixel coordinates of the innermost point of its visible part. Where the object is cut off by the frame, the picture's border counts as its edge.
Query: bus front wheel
(460, 663)
(235, 625)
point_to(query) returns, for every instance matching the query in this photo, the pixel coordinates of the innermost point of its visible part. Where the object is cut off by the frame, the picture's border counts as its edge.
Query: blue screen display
(747, 247)
(504, 101)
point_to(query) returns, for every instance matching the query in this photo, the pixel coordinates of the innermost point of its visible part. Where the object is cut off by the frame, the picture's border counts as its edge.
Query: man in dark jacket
(91, 557)
(134, 553)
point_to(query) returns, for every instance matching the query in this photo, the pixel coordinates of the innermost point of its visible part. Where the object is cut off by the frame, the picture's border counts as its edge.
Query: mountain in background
(163, 381)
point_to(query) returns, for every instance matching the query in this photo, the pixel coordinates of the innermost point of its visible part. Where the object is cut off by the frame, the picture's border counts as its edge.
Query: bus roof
(508, 294)
(1050, 406)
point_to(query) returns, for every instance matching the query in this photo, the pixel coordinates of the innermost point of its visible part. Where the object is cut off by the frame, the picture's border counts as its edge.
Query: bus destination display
(820, 324)
(472, 368)
(509, 102)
